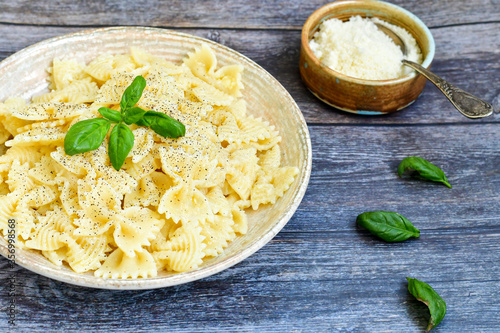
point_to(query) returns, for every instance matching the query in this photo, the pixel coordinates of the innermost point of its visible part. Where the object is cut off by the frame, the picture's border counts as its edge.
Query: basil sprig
(87, 135)
(424, 293)
(390, 226)
(424, 168)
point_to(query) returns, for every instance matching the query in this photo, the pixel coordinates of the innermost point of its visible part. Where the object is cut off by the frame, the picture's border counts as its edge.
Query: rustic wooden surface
(321, 273)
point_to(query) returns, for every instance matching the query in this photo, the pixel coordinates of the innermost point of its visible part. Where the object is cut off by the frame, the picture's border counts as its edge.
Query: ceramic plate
(24, 74)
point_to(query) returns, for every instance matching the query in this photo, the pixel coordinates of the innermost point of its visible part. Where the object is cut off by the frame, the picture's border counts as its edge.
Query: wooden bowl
(367, 97)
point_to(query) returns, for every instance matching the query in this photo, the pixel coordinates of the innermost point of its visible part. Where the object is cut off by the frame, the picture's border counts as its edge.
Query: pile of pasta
(173, 203)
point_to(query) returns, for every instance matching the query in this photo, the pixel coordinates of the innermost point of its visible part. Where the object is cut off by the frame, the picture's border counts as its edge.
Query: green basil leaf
(113, 115)
(133, 115)
(390, 226)
(168, 128)
(133, 93)
(424, 168)
(121, 141)
(142, 122)
(150, 116)
(163, 125)
(86, 135)
(155, 114)
(424, 293)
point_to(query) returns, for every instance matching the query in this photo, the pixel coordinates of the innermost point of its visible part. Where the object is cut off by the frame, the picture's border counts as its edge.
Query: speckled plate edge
(52, 272)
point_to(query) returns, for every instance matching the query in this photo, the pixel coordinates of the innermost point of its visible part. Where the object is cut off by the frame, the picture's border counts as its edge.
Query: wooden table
(321, 273)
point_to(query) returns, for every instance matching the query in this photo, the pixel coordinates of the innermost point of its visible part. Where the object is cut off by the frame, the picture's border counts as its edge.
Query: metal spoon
(468, 105)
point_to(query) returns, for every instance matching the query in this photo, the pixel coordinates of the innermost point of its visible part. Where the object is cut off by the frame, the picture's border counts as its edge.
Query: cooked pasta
(174, 202)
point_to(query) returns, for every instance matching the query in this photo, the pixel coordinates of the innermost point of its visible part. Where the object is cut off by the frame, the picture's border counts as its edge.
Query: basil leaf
(150, 116)
(168, 128)
(133, 93)
(424, 168)
(390, 226)
(142, 122)
(424, 293)
(86, 135)
(162, 124)
(121, 141)
(113, 115)
(133, 115)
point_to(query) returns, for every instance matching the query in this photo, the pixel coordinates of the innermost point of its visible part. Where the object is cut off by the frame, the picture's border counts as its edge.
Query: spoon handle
(468, 105)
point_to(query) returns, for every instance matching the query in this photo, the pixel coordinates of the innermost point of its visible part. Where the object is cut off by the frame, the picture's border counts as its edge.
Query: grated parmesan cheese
(359, 49)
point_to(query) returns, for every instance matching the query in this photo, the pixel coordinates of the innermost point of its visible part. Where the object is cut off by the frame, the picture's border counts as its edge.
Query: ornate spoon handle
(468, 105)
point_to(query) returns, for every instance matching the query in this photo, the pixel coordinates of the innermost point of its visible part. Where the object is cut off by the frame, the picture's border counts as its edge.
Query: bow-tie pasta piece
(145, 59)
(120, 266)
(42, 124)
(10, 107)
(107, 65)
(29, 154)
(143, 143)
(209, 94)
(185, 203)
(7, 207)
(4, 134)
(64, 72)
(69, 196)
(242, 171)
(218, 202)
(162, 181)
(197, 109)
(112, 90)
(86, 253)
(270, 159)
(255, 129)
(184, 251)
(203, 64)
(271, 186)
(51, 231)
(161, 83)
(124, 63)
(238, 108)
(18, 178)
(38, 137)
(101, 205)
(25, 218)
(121, 181)
(228, 79)
(76, 164)
(218, 234)
(45, 171)
(49, 111)
(161, 240)
(40, 196)
(145, 194)
(143, 168)
(135, 228)
(81, 91)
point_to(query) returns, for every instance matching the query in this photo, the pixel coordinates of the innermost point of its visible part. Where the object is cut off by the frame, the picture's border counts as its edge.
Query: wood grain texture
(322, 273)
(276, 14)
(467, 56)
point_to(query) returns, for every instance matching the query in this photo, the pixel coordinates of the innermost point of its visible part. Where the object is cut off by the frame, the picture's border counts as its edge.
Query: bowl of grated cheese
(347, 62)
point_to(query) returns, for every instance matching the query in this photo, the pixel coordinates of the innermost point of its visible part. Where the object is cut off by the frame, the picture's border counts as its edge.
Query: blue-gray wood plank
(321, 273)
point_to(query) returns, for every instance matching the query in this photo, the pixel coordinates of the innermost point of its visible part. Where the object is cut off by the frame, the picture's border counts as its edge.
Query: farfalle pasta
(173, 203)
